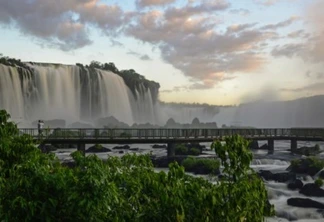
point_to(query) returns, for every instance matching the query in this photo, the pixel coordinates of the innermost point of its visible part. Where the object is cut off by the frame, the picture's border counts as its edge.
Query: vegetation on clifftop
(132, 79)
(36, 187)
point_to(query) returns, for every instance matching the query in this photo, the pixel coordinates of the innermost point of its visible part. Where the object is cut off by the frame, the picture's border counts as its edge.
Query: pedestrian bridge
(169, 136)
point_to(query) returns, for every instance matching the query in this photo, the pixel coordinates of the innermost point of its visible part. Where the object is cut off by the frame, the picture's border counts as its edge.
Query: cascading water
(73, 93)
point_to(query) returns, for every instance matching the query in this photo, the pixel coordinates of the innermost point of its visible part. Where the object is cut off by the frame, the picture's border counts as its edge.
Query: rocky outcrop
(97, 149)
(312, 189)
(79, 125)
(296, 184)
(279, 177)
(254, 145)
(125, 147)
(47, 148)
(163, 162)
(110, 122)
(158, 146)
(308, 166)
(264, 147)
(305, 203)
(321, 174)
(308, 151)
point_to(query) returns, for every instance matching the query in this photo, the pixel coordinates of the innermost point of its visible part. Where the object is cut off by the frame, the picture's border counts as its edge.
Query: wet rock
(111, 122)
(284, 177)
(254, 145)
(308, 151)
(312, 189)
(97, 149)
(121, 152)
(305, 203)
(65, 146)
(321, 174)
(125, 147)
(279, 177)
(163, 162)
(264, 147)
(134, 149)
(296, 184)
(266, 174)
(157, 146)
(304, 166)
(80, 125)
(47, 148)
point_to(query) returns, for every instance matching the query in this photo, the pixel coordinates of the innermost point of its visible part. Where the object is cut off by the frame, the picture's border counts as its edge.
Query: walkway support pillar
(270, 146)
(81, 148)
(293, 145)
(171, 149)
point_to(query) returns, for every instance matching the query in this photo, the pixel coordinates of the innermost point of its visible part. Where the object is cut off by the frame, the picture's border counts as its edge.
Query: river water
(277, 162)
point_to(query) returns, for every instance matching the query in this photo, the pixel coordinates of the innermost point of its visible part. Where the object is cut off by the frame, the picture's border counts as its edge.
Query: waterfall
(72, 93)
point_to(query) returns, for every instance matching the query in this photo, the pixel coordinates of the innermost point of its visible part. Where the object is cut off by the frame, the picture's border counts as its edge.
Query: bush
(209, 166)
(319, 182)
(181, 149)
(194, 151)
(36, 187)
(98, 146)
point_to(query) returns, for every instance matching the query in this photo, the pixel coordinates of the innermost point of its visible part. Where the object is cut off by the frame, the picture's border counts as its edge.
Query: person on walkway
(40, 126)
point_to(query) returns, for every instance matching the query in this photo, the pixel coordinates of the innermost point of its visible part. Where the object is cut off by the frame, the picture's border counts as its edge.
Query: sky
(221, 52)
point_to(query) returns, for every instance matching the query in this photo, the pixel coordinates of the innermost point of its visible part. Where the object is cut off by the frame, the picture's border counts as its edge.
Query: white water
(65, 92)
(278, 193)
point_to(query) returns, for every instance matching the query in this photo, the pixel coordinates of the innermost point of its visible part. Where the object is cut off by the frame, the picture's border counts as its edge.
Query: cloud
(116, 43)
(147, 3)
(298, 34)
(271, 2)
(240, 27)
(189, 40)
(145, 57)
(240, 11)
(266, 2)
(61, 23)
(282, 24)
(314, 87)
(289, 50)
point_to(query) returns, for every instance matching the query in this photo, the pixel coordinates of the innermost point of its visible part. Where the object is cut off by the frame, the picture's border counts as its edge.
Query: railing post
(270, 146)
(171, 149)
(293, 145)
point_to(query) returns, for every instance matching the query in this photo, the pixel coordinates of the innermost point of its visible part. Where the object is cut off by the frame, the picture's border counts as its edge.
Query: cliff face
(75, 92)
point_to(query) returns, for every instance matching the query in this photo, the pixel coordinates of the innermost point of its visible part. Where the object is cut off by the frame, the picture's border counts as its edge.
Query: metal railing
(103, 133)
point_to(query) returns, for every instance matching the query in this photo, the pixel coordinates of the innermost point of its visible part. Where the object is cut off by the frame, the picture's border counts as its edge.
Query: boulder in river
(296, 184)
(305, 203)
(125, 147)
(254, 145)
(308, 151)
(158, 146)
(312, 189)
(98, 148)
(310, 166)
(279, 177)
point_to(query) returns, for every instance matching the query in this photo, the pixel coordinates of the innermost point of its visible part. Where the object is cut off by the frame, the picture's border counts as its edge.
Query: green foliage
(244, 191)
(36, 187)
(316, 162)
(194, 151)
(209, 166)
(98, 146)
(181, 149)
(319, 182)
